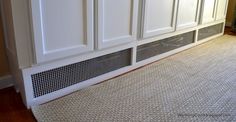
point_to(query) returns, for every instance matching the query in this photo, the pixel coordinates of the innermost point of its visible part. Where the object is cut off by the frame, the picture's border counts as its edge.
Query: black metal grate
(210, 31)
(59, 78)
(161, 46)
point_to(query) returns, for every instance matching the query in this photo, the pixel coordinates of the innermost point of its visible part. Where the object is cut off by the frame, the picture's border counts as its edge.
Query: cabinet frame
(213, 15)
(146, 33)
(225, 12)
(188, 25)
(38, 34)
(99, 25)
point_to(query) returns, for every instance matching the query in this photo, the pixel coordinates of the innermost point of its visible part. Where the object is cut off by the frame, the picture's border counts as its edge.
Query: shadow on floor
(12, 108)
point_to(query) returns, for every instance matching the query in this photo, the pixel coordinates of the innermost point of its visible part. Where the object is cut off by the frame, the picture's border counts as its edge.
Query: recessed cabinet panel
(62, 28)
(208, 11)
(159, 17)
(221, 9)
(117, 22)
(188, 11)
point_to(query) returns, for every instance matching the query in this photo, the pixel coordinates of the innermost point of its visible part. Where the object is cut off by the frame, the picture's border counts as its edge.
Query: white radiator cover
(53, 80)
(49, 60)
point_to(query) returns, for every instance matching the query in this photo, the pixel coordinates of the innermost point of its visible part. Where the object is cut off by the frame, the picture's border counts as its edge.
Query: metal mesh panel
(59, 78)
(155, 48)
(210, 31)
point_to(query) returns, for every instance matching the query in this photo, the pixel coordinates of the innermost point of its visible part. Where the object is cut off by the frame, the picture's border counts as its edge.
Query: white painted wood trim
(188, 25)
(29, 95)
(41, 55)
(214, 13)
(22, 32)
(225, 11)
(146, 33)
(223, 28)
(101, 43)
(215, 10)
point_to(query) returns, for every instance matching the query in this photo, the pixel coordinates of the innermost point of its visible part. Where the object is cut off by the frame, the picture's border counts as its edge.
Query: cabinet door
(116, 22)
(221, 9)
(188, 13)
(62, 28)
(159, 17)
(208, 11)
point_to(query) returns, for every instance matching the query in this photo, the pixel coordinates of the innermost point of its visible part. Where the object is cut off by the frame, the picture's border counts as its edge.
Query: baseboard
(228, 24)
(6, 81)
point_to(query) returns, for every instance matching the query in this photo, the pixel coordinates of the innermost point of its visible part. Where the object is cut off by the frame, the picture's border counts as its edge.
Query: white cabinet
(116, 22)
(60, 38)
(188, 13)
(208, 11)
(62, 28)
(159, 17)
(221, 9)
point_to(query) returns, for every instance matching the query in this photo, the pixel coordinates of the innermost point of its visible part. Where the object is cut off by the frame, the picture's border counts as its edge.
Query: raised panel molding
(221, 9)
(188, 13)
(62, 28)
(208, 11)
(116, 22)
(159, 17)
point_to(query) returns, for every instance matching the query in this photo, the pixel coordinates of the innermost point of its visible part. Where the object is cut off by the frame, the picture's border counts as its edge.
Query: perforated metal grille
(210, 31)
(59, 78)
(155, 48)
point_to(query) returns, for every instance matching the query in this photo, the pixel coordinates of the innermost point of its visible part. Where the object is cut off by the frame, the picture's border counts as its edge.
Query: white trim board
(6, 81)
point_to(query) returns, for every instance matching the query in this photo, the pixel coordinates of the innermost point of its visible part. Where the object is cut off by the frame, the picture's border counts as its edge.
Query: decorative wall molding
(6, 81)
